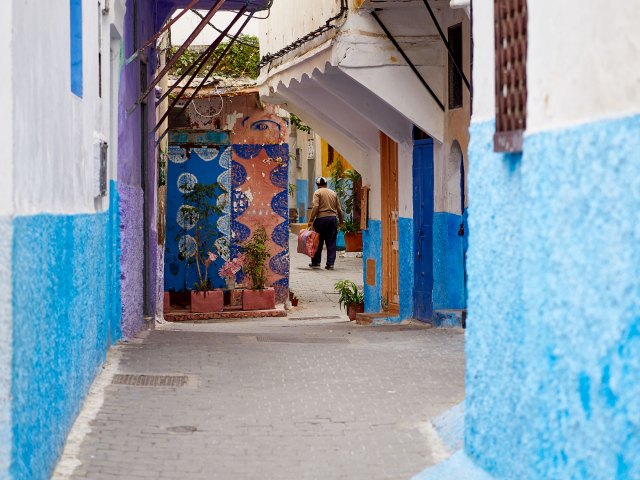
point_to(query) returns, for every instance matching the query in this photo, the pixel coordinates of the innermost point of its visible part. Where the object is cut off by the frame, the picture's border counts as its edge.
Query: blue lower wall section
(302, 194)
(65, 314)
(114, 271)
(406, 258)
(6, 443)
(372, 249)
(448, 262)
(553, 333)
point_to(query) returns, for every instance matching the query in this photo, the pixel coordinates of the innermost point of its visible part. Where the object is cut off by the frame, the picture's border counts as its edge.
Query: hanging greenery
(241, 60)
(296, 122)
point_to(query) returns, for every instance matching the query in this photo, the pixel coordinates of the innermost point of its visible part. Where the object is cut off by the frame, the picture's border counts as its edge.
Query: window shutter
(510, 23)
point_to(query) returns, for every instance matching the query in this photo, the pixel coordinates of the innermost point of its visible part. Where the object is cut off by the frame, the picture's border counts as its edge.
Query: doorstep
(378, 318)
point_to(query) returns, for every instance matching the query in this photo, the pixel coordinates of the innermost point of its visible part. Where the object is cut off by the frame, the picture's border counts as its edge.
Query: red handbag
(308, 241)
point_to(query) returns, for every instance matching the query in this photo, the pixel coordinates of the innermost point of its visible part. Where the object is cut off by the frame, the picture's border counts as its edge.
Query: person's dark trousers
(327, 227)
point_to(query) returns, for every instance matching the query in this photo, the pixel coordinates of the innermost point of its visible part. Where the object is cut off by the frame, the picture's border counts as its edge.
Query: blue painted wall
(553, 337)
(448, 262)
(75, 44)
(406, 258)
(63, 297)
(114, 255)
(302, 193)
(372, 249)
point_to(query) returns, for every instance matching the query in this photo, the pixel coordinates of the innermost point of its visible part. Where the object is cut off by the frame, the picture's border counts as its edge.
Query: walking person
(325, 218)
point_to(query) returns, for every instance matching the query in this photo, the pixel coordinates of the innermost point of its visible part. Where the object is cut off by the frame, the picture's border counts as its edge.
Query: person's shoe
(314, 265)
(329, 267)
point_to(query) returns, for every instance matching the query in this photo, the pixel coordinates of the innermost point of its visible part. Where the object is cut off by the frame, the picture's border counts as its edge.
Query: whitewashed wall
(603, 77)
(6, 108)
(602, 80)
(405, 178)
(54, 130)
(483, 65)
(292, 19)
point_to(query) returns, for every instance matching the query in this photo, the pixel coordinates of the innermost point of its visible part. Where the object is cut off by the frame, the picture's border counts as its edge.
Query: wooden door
(390, 242)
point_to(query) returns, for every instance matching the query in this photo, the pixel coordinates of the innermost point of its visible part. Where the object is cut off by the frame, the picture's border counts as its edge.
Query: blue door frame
(423, 228)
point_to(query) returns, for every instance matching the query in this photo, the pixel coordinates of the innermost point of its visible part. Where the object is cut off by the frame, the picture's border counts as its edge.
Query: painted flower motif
(211, 257)
(231, 267)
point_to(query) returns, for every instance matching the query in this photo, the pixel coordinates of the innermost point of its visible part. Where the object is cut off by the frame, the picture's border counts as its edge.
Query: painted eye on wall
(265, 125)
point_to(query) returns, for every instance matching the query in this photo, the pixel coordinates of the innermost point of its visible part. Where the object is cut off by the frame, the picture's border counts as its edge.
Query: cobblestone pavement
(297, 398)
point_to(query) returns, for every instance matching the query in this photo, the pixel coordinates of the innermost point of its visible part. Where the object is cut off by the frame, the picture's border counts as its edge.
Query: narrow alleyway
(309, 397)
(315, 287)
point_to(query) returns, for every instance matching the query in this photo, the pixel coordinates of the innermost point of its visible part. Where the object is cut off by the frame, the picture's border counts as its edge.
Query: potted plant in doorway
(352, 235)
(256, 254)
(351, 298)
(201, 204)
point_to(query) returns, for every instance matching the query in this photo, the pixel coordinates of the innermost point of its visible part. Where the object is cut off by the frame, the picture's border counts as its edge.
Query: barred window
(510, 22)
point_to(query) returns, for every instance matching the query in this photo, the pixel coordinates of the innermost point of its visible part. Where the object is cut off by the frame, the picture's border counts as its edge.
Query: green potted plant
(349, 196)
(201, 204)
(351, 298)
(256, 253)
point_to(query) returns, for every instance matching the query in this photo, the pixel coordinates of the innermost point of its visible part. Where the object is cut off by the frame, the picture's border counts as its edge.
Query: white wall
(583, 62)
(289, 20)
(6, 108)
(483, 62)
(54, 130)
(405, 178)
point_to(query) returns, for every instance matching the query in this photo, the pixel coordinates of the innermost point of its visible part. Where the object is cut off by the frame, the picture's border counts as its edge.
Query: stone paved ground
(305, 398)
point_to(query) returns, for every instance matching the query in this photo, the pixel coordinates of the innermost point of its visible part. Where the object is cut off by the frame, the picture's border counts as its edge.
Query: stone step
(376, 318)
(451, 318)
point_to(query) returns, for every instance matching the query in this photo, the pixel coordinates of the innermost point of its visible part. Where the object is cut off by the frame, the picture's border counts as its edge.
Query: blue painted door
(423, 228)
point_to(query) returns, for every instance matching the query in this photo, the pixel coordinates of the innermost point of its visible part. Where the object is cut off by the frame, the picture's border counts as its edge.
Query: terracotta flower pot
(353, 241)
(206, 302)
(354, 309)
(259, 299)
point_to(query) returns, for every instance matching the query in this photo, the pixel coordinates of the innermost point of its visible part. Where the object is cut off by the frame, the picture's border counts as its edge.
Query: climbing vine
(241, 60)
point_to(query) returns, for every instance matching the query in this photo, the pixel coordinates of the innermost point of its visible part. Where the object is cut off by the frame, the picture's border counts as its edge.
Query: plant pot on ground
(351, 297)
(352, 236)
(293, 299)
(255, 254)
(264, 299)
(354, 309)
(207, 302)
